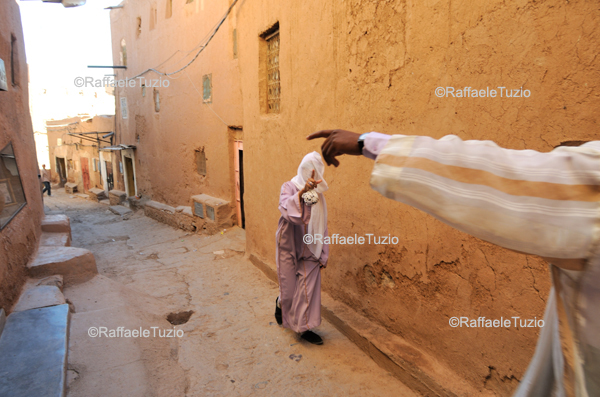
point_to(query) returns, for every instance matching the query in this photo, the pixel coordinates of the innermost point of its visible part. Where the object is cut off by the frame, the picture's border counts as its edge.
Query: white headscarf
(318, 215)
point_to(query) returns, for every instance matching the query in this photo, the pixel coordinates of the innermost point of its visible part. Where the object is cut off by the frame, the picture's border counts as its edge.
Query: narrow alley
(270, 198)
(231, 344)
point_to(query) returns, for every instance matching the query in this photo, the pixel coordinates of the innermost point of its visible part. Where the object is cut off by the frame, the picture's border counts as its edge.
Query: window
(14, 62)
(12, 196)
(139, 27)
(153, 17)
(169, 12)
(143, 89)
(269, 78)
(207, 88)
(273, 73)
(156, 101)
(201, 162)
(123, 54)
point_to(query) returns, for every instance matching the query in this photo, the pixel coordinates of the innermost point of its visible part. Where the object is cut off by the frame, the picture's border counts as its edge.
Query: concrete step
(120, 210)
(34, 348)
(55, 239)
(38, 297)
(76, 265)
(56, 224)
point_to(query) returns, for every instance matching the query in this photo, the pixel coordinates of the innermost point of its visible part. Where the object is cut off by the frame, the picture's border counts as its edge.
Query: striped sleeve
(539, 203)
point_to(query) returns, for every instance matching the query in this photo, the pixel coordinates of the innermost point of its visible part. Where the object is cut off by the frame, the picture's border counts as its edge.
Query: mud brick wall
(367, 65)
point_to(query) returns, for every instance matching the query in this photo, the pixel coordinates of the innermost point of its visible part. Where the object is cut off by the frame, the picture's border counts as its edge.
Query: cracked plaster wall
(368, 65)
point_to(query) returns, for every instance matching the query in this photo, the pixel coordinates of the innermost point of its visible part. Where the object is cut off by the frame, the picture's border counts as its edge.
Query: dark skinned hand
(337, 142)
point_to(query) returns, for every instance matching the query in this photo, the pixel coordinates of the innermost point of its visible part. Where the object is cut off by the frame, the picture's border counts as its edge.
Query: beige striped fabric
(545, 204)
(540, 203)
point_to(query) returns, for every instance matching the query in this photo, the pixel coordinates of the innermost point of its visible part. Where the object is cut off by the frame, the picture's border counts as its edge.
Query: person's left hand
(311, 183)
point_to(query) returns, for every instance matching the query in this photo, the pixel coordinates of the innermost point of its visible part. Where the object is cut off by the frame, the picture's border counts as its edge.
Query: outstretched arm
(539, 203)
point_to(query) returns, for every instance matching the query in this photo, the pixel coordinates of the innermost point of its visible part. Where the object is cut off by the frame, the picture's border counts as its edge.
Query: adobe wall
(374, 66)
(19, 239)
(74, 148)
(166, 141)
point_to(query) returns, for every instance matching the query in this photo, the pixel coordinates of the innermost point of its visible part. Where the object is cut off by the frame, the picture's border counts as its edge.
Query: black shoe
(278, 313)
(311, 337)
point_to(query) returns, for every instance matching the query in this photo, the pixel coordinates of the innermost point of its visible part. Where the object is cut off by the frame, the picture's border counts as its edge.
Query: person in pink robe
(298, 306)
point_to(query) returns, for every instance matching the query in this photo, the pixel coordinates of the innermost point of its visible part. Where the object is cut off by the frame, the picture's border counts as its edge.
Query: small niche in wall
(12, 196)
(201, 161)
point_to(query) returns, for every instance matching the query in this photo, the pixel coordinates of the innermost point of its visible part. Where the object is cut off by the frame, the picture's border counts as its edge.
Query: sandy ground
(231, 344)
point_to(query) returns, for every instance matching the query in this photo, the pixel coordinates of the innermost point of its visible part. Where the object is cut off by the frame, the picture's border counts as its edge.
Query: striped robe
(545, 204)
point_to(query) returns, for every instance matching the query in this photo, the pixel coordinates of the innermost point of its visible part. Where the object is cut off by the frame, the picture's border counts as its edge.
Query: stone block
(136, 203)
(119, 210)
(56, 224)
(34, 347)
(184, 210)
(55, 239)
(185, 218)
(161, 212)
(97, 194)
(71, 188)
(160, 206)
(56, 280)
(180, 217)
(117, 197)
(216, 214)
(76, 265)
(40, 296)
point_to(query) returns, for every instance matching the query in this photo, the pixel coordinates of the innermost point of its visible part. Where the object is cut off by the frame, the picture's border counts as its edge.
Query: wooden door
(61, 169)
(130, 176)
(85, 173)
(109, 175)
(238, 161)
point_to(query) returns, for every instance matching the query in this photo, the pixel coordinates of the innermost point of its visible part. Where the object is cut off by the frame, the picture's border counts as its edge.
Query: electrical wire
(214, 32)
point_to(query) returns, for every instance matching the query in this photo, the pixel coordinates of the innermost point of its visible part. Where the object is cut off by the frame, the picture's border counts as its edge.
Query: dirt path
(231, 343)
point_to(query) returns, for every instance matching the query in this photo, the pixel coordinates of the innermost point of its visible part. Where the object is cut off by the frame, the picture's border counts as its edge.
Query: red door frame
(85, 173)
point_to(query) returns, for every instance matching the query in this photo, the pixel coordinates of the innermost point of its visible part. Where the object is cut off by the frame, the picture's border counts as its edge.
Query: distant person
(46, 180)
(544, 204)
(303, 211)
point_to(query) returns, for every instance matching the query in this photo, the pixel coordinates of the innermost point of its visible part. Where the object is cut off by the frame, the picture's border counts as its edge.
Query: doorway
(129, 174)
(110, 182)
(61, 170)
(238, 160)
(85, 173)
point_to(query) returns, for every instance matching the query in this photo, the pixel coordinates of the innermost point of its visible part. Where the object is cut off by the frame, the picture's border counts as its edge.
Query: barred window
(273, 81)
